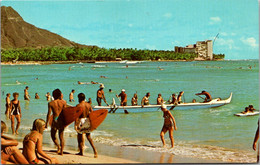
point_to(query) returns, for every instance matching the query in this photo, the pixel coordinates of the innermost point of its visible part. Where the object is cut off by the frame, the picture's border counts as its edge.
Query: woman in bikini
(169, 123)
(32, 145)
(15, 112)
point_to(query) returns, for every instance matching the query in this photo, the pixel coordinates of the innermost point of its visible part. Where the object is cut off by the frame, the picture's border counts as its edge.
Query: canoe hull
(151, 108)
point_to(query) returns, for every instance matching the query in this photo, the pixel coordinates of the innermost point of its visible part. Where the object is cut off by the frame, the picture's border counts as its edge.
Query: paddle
(126, 112)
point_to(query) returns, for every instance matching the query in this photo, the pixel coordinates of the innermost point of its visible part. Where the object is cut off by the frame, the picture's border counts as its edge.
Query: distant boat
(98, 66)
(151, 108)
(129, 62)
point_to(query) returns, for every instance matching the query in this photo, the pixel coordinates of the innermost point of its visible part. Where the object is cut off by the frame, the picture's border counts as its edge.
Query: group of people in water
(175, 99)
(32, 143)
(249, 109)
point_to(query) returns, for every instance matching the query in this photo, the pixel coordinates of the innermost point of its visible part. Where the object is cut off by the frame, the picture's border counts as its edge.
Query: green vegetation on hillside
(93, 53)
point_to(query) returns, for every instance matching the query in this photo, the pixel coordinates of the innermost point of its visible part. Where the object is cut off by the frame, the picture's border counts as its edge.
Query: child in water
(32, 145)
(169, 123)
(15, 112)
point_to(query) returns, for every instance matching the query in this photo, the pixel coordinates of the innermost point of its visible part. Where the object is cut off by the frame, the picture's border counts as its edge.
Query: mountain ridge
(17, 33)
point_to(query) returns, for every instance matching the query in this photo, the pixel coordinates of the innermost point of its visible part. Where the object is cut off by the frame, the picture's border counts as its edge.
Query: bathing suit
(99, 100)
(169, 125)
(84, 126)
(35, 161)
(146, 100)
(26, 97)
(14, 110)
(27, 138)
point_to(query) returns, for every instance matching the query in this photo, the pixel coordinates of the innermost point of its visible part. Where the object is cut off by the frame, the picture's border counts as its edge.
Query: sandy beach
(119, 155)
(69, 157)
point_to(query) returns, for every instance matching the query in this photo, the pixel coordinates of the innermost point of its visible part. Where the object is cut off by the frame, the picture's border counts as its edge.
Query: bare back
(87, 109)
(56, 106)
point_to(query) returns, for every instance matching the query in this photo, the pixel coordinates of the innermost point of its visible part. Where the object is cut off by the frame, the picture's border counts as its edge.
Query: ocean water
(203, 133)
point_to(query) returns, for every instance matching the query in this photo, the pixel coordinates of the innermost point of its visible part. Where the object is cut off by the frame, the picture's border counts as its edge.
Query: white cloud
(225, 42)
(251, 41)
(168, 15)
(214, 20)
(233, 34)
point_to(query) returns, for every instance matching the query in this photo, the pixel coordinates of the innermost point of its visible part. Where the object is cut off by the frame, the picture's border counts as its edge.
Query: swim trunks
(84, 126)
(99, 100)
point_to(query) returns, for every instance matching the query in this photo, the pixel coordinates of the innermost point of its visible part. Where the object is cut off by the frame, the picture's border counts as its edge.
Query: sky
(150, 24)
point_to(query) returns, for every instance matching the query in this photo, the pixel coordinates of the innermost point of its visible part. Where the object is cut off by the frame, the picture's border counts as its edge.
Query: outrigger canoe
(150, 108)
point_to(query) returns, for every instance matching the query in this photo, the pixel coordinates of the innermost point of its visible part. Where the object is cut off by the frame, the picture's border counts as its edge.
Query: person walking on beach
(123, 96)
(7, 105)
(15, 113)
(159, 99)
(145, 100)
(169, 123)
(134, 100)
(101, 95)
(255, 142)
(26, 94)
(55, 107)
(9, 152)
(32, 145)
(82, 125)
(207, 98)
(71, 99)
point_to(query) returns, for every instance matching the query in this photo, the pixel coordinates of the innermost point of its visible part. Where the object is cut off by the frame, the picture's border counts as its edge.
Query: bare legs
(12, 153)
(81, 144)
(163, 131)
(55, 140)
(18, 118)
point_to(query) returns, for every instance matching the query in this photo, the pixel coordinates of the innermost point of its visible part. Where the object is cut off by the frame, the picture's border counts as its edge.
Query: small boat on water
(247, 114)
(151, 108)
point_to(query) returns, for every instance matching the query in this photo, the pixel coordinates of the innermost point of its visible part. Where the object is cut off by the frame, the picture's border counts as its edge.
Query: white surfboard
(247, 114)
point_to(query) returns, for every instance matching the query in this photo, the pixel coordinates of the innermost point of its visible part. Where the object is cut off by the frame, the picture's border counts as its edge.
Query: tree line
(92, 54)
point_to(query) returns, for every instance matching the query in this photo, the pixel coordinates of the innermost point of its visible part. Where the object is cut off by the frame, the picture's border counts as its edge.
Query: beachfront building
(204, 49)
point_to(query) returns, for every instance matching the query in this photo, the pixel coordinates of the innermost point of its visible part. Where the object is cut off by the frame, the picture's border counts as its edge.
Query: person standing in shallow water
(101, 95)
(7, 105)
(71, 98)
(15, 112)
(26, 94)
(169, 123)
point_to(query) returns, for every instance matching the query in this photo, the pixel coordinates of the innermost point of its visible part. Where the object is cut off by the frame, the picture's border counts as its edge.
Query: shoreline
(86, 61)
(108, 154)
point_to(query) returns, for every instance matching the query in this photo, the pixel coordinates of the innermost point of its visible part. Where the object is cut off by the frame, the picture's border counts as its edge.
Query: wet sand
(117, 154)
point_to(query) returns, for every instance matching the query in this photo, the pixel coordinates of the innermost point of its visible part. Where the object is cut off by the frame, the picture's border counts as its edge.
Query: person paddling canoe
(208, 96)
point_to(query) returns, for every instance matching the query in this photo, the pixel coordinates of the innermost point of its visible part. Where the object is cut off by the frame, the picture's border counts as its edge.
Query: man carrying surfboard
(82, 125)
(55, 107)
(101, 95)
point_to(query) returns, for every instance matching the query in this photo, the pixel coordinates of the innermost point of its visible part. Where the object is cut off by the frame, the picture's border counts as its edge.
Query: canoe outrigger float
(151, 108)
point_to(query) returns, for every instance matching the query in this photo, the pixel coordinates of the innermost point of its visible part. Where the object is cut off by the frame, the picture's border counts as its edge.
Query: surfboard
(87, 125)
(247, 114)
(68, 115)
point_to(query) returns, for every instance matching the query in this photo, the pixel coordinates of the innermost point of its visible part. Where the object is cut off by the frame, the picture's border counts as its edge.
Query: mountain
(16, 33)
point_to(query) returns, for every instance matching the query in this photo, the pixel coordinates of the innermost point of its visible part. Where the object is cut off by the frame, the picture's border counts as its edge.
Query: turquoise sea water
(206, 133)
